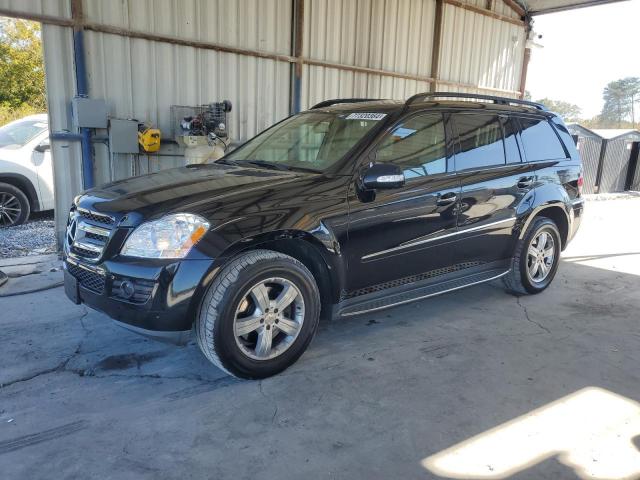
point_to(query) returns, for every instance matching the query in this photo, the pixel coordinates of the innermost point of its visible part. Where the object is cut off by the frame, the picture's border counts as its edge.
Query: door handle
(446, 199)
(525, 182)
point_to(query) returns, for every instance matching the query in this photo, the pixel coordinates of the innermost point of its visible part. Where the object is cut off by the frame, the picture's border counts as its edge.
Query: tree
(569, 111)
(620, 97)
(22, 85)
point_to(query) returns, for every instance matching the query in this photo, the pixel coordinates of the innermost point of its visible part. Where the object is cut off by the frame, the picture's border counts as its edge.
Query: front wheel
(535, 261)
(259, 314)
(14, 206)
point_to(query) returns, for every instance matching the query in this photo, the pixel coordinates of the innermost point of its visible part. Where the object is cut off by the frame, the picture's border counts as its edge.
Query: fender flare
(535, 211)
(24, 184)
(332, 261)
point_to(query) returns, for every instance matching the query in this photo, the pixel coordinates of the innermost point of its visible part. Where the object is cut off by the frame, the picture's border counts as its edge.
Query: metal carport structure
(269, 57)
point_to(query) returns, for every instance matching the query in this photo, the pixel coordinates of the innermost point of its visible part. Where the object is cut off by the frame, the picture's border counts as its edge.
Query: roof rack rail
(491, 98)
(328, 103)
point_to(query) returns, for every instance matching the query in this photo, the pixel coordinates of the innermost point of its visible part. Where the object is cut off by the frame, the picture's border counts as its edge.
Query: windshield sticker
(366, 116)
(40, 125)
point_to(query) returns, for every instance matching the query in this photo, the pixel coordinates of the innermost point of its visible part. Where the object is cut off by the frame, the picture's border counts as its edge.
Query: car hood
(193, 189)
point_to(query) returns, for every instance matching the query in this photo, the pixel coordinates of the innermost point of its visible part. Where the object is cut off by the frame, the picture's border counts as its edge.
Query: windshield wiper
(265, 164)
(225, 161)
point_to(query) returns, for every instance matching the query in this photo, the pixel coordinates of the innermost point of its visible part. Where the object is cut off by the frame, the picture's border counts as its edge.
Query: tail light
(580, 183)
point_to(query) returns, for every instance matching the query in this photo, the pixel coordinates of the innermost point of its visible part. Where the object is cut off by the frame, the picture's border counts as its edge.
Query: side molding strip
(446, 235)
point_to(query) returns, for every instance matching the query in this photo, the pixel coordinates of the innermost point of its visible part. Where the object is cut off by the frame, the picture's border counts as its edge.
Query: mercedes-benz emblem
(71, 232)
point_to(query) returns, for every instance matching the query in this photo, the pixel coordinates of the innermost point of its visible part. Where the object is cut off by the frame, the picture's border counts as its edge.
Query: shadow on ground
(372, 398)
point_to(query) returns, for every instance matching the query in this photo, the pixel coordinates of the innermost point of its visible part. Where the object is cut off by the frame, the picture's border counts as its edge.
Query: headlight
(169, 237)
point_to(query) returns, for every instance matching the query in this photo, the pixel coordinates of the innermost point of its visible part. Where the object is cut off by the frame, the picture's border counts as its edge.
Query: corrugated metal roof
(539, 7)
(610, 133)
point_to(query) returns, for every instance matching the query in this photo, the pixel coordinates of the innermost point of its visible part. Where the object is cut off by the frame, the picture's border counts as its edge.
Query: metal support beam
(485, 12)
(515, 7)
(82, 89)
(525, 69)
(297, 50)
(435, 53)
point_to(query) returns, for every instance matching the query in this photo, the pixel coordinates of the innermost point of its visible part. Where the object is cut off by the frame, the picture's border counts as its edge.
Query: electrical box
(89, 112)
(123, 136)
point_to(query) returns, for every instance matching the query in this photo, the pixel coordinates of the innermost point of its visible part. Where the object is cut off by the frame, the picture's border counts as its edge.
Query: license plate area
(71, 287)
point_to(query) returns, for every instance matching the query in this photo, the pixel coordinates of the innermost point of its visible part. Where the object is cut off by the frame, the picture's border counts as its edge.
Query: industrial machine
(202, 130)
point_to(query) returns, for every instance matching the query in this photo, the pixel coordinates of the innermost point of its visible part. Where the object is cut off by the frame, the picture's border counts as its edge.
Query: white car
(26, 176)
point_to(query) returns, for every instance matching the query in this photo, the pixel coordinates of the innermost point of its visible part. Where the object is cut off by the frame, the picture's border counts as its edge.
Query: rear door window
(540, 140)
(480, 138)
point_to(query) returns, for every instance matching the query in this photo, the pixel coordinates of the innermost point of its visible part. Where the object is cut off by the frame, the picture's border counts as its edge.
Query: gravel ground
(36, 237)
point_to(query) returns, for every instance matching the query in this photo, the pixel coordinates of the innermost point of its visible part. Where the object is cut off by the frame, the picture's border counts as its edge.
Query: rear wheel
(14, 206)
(259, 315)
(536, 258)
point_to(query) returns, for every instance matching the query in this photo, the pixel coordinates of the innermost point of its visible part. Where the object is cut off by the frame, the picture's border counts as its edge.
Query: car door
(402, 232)
(495, 185)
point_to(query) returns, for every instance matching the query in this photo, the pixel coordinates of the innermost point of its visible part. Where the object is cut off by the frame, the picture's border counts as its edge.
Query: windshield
(18, 134)
(309, 140)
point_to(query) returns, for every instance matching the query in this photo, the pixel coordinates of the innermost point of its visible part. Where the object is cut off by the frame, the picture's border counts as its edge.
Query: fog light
(127, 289)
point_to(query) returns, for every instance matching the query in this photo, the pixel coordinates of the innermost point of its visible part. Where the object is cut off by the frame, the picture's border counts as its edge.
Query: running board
(420, 293)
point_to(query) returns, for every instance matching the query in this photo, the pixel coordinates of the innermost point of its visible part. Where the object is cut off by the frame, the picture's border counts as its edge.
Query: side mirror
(43, 146)
(383, 175)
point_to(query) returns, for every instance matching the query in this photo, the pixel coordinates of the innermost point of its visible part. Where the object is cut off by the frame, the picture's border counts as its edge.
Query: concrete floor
(377, 396)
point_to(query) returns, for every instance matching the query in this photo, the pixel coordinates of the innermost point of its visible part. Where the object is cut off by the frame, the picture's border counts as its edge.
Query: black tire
(7, 194)
(215, 323)
(518, 281)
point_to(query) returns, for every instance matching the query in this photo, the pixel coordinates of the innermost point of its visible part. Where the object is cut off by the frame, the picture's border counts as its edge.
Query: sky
(583, 50)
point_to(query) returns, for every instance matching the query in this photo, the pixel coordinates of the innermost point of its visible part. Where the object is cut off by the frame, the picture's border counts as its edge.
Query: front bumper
(159, 298)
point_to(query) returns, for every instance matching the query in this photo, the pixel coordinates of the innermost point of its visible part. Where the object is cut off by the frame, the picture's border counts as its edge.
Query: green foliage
(8, 114)
(22, 84)
(568, 111)
(620, 98)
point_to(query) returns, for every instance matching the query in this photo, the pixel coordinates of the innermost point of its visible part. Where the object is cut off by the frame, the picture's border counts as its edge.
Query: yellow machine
(148, 138)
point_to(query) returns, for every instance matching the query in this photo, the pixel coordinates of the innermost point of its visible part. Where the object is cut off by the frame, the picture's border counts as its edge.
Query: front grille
(412, 279)
(142, 290)
(90, 280)
(86, 253)
(96, 217)
(88, 233)
(94, 236)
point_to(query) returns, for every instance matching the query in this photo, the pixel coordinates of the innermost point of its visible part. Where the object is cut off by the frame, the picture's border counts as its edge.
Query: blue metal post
(82, 90)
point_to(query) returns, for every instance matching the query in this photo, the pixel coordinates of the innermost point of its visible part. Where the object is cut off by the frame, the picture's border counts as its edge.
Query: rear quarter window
(540, 140)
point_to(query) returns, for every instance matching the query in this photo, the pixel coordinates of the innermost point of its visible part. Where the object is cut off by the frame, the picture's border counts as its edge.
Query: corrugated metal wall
(119, 67)
(589, 148)
(480, 51)
(616, 164)
(56, 8)
(397, 36)
(392, 35)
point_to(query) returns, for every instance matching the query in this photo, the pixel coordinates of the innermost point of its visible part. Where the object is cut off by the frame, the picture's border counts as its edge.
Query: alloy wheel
(10, 209)
(540, 256)
(269, 318)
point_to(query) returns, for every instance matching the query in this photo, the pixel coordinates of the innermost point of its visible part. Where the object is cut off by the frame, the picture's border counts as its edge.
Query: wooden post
(525, 68)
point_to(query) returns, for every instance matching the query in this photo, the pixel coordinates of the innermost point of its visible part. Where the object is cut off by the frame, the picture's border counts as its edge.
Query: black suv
(353, 206)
